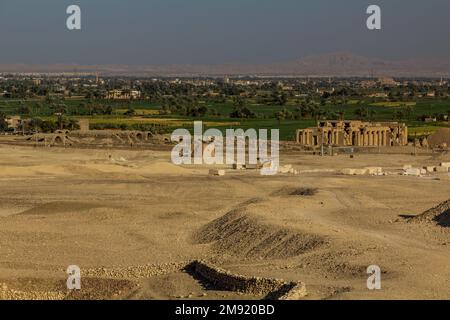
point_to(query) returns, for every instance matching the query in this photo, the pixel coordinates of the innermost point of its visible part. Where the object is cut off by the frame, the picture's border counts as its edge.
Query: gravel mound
(439, 214)
(242, 234)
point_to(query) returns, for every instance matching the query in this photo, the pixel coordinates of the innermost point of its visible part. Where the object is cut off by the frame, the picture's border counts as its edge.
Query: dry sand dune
(131, 220)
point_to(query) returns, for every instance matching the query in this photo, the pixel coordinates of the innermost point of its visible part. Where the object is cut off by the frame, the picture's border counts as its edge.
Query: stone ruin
(354, 133)
(97, 138)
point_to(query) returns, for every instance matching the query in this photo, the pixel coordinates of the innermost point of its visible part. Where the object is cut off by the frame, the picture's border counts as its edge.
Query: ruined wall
(225, 280)
(95, 138)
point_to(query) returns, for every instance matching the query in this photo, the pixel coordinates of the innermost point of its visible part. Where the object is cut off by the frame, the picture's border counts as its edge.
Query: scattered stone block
(215, 172)
(430, 169)
(355, 172)
(412, 172)
(348, 172)
(442, 169)
(423, 171)
(285, 169)
(445, 164)
(407, 166)
(374, 171)
(360, 172)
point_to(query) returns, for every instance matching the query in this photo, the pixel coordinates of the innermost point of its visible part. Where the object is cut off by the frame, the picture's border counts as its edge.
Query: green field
(147, 114)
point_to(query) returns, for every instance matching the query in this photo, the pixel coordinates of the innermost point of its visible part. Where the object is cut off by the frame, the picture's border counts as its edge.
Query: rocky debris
(374, 171)
(439, 214)
(133, 272)
(224, 280)
(102, 289)
(11, 294)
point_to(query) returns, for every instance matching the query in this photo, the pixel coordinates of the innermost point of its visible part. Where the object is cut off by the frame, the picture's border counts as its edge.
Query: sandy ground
(131, 220)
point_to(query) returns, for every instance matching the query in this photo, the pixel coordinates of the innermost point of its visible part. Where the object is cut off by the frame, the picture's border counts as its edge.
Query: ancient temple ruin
(354, 133)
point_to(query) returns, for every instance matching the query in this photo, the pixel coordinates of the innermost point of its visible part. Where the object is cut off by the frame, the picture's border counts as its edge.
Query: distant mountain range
(333, 65)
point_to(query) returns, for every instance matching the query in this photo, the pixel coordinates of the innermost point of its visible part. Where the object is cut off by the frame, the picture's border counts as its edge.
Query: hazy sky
(218, 31)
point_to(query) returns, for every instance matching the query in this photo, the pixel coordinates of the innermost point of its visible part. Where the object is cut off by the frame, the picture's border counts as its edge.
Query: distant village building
(354, 133)
(14, 123)
(378, 95)
(430, 119)
(6, 94)
(119, 94)
(17, 124)
(387, 81)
